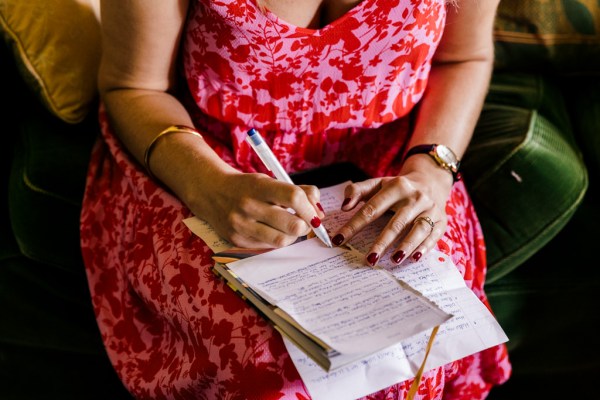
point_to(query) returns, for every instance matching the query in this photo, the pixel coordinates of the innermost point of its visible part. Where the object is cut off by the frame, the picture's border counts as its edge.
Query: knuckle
(297, 227)
(245, 203)
(311, 191)
(408, 244)
(236, 239)
(296, 195)
(402, 182)
(368, 212)
(233, 219)
(397, 226)
(350, 230)
(281, 240)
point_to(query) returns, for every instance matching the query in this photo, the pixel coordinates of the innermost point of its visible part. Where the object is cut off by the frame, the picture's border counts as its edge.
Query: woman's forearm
(452, 103)
(180, 161)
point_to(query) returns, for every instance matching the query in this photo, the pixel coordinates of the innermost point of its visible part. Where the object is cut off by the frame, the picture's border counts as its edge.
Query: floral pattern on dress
(171, 328)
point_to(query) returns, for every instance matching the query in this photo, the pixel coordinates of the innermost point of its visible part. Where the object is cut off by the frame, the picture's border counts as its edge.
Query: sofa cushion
(548, 35)
(549, 300)
(57, 46)
(47, 181)
(11, 96)
(525, 175)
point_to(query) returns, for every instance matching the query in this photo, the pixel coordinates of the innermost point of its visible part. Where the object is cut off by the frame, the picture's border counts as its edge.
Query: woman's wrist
(171, 130)
(424, 165)
(188, 167)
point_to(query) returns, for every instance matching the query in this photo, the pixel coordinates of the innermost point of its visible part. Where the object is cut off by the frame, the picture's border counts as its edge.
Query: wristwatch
(442, 155)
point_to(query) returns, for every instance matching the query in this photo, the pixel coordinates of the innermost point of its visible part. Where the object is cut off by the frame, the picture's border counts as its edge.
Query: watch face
(447, 156)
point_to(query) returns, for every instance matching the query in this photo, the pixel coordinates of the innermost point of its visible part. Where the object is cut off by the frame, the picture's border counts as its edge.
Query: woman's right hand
(252, 210)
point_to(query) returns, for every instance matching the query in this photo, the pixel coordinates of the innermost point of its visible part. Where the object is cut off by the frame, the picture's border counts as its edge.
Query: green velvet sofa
(532, 168)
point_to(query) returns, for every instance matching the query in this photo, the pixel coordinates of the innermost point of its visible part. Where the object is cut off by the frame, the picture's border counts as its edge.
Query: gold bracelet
(171, 129)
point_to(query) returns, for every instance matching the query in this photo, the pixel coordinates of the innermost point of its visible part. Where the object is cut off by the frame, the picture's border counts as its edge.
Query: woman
(324, 81)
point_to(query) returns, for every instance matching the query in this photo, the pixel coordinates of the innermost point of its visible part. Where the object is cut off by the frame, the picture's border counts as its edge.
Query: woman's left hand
(418, 198)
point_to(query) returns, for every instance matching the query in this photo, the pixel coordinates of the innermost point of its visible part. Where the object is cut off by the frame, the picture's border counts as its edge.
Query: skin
(136, 81)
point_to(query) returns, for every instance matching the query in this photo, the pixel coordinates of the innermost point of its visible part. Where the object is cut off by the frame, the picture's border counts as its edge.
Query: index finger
(371, 210)
(297, 199)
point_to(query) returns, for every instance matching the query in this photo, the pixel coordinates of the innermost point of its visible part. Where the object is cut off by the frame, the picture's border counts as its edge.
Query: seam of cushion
(37, 189)
(545, 39)
(556, 221)
(30, 67)
(532, 118)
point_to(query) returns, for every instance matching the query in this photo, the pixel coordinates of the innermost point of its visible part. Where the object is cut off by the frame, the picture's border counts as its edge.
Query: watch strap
(428, 149)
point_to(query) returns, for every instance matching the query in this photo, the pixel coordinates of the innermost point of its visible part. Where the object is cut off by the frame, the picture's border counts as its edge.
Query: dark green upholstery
(540, 228)
(50, 346)
(550, 36)
(524, 172)
(46, 185)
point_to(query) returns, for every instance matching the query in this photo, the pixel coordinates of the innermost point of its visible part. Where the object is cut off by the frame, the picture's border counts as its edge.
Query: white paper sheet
(203, 230)
(331, 292)
(472, 328)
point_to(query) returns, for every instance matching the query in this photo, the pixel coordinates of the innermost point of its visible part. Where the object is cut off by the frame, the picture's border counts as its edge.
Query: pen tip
(252, 132)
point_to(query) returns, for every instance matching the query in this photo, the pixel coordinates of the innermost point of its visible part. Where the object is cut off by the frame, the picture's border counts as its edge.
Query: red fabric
(171, 329)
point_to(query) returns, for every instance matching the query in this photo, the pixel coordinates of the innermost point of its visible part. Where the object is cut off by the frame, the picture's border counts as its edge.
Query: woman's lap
(173, 329)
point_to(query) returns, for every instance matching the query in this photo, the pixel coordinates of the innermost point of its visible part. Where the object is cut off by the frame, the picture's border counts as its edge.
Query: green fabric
(32, 374)
(50, 345)
(46, 307)
(552, 300)
(526, 178)
(10, 97)
(548, 35)
(46, 186)
(533, 92)
(44, 173)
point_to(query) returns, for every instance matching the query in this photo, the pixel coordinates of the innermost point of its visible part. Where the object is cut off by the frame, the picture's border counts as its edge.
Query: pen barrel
(280, 173)
(267, 157)
(270, 161)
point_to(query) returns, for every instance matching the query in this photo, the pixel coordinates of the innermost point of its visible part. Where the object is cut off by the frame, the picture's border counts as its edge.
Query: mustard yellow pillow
(57, 47)
(560, 36)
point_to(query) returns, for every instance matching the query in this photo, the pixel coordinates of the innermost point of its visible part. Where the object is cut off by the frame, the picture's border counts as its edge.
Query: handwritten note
(335, 296)
(471, 329)
(203, 229)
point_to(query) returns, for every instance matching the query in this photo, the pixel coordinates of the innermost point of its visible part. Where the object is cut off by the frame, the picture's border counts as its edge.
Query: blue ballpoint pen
(270, 161)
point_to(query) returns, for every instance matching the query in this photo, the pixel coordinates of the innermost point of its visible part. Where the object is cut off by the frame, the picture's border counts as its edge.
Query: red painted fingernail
(315, 222)
(372, 258)
(338, 239)
(320, 207)
(398, 256)
(346, 201)
(417, 255)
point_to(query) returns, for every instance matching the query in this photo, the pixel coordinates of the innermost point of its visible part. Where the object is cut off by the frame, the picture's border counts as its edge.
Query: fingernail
(315, 222)
(320, 207)
(398, 256)
(338, 239)
(372, 258)
(346, 201)
(417, 255)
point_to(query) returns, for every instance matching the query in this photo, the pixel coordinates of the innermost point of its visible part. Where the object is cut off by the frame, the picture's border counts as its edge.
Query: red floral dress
(343, 92)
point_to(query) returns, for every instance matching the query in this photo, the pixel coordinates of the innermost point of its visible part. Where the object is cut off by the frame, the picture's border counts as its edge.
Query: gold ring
(426, 219)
